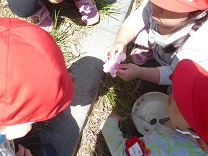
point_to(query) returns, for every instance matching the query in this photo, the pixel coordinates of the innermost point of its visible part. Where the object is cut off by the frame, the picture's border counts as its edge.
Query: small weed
(120, 94)
(108, 9)
(61, 33)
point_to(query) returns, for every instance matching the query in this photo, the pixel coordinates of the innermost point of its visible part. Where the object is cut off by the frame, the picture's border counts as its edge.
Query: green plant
(108, 9)
(120, 94)
(61, 32)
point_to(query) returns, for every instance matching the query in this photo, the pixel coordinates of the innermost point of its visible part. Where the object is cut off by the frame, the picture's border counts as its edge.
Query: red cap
(182, 6)
(190, 89)
(35, 84)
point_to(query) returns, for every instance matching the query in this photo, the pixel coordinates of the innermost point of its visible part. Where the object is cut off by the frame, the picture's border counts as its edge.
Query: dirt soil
(92, 142)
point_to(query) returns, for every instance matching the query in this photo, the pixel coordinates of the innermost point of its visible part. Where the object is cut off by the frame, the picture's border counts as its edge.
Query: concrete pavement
(87, 72)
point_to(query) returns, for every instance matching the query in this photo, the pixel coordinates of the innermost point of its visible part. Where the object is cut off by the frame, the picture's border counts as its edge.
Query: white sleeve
(139, 18)
(165, 72)
(113, 137)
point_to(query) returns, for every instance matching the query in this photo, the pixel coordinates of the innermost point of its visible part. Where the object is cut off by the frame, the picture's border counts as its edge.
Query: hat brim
(190, 85)
(182, 81)
(174, 6)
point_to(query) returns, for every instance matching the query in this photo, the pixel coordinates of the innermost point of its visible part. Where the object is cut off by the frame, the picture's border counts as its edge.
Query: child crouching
(185, 130)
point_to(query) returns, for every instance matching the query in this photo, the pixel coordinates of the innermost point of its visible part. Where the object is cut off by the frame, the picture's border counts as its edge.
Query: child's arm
(125, 35)
(165, 72)
(113, 136)
(129, 29)
(131, 71)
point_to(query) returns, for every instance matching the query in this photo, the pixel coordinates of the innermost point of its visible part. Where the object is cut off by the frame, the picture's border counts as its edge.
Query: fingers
(110, 52)
(127, 71)
(116, 48)
(23, 151)
(122, 74)
(122, 70)
(20, 151)
(27, 152)
(107, 54)
(124, 66)
(121, 49)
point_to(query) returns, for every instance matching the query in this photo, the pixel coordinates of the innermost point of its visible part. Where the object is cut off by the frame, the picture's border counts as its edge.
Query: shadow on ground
(63, 131)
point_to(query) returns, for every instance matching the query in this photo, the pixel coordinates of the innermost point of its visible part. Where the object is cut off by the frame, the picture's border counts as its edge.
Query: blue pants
(24, 8)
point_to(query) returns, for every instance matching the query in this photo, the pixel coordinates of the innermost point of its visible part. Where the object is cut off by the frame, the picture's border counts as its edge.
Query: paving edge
(76, 145)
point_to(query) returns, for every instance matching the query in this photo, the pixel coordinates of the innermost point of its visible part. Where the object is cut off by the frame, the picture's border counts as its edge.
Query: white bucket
(147, 109)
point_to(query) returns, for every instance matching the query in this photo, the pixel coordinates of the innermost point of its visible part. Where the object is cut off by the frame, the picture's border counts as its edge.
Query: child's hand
(118, 47)
(55, 1)
(128, 71)
(23, 151)
(114, 115)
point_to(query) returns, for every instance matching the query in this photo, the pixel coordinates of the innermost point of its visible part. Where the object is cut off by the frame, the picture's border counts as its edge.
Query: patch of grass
(109, 9)
(61, 34)
(120, 96)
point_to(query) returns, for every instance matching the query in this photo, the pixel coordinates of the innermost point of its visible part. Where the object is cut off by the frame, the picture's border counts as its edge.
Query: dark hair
(193, 17)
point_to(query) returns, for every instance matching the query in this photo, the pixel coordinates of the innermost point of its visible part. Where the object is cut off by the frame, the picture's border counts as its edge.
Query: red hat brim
(174, 6)
(190, 83)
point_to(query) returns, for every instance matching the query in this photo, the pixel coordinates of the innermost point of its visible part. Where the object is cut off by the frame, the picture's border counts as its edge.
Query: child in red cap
(166, 30)
(35, 84)
(185, 130)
